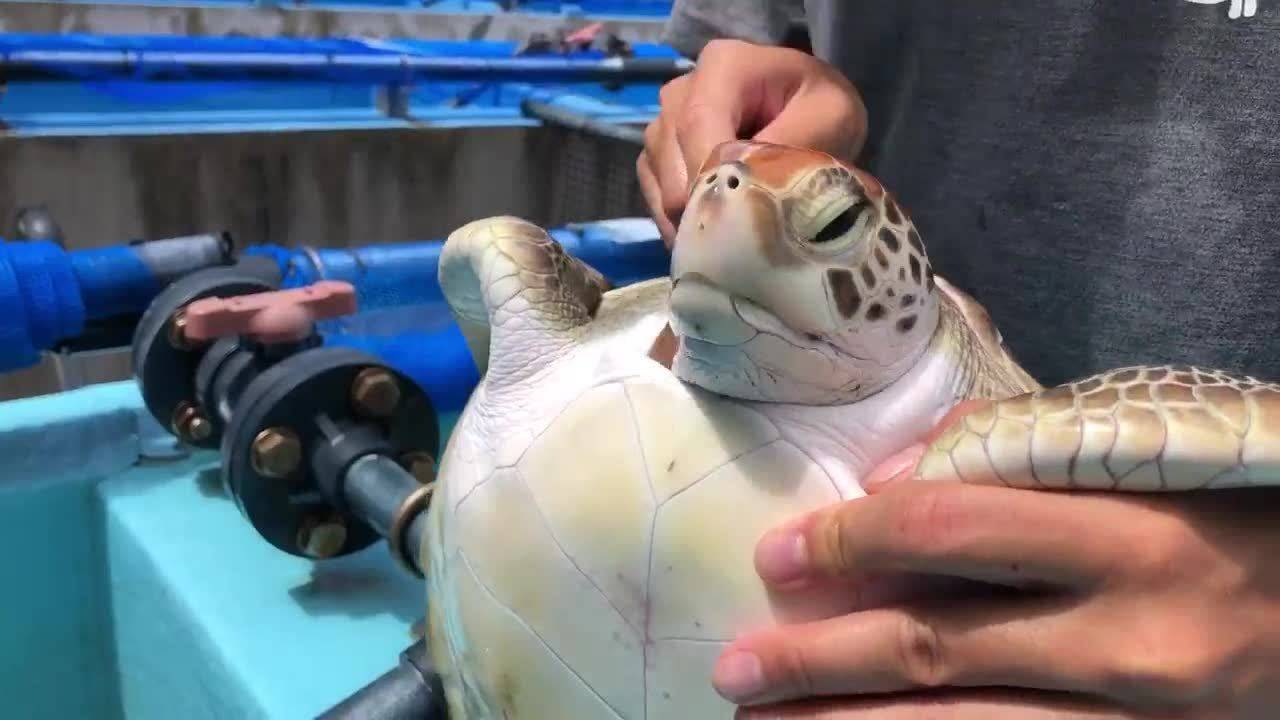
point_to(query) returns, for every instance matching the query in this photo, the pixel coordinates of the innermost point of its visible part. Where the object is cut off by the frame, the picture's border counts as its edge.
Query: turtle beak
(731, 238)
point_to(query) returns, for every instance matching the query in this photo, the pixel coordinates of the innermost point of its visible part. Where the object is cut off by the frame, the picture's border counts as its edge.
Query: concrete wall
(316, 188)
(324, 189)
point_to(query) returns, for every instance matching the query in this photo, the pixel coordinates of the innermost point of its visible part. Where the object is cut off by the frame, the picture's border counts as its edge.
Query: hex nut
(420, 465)
(375, 393)
(276, 453)
(190, 423)
(199, 428)
(177, 330)
(321, 538)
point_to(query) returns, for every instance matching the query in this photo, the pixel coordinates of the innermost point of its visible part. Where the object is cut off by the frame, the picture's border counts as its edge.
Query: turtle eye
(841, 224)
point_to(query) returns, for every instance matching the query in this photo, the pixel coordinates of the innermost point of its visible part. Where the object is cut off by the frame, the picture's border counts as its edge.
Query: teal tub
(134, 589)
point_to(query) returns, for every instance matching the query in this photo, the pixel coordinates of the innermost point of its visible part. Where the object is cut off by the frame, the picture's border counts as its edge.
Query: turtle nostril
(733, 183)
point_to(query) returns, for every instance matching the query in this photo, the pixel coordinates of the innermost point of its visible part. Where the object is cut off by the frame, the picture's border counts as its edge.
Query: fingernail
(897, 467)
(739, 677)
(782, 556)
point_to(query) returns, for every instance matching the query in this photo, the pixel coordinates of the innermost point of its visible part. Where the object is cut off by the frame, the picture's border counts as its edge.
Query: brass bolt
(190, 423)
(375, 393)
(277, 452)
(178, 330)
(322, 538)
(420, 465)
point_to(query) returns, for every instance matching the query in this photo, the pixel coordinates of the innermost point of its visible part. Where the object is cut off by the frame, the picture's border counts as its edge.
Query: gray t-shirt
(1104, 176)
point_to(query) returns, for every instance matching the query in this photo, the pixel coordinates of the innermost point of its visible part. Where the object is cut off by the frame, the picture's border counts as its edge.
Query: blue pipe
(398, 275)
(403, 317)
(48, 294)
(438, 361)
(365, 67)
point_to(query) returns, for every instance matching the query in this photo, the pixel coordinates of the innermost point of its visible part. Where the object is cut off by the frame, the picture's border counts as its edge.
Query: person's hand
(743, 91)
(1095, 605)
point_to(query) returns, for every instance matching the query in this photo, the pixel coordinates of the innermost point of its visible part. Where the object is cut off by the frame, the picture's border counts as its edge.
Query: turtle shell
(594, 557)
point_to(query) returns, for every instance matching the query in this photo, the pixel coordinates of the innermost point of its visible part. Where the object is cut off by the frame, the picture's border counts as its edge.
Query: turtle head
(796, 279)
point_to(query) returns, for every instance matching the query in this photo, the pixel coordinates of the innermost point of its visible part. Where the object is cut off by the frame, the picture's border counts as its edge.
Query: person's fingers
(990, 534)
(667, 159)
(993, 704)
(836, 97)
(1001, 640)
(724, 85)
(652, 192)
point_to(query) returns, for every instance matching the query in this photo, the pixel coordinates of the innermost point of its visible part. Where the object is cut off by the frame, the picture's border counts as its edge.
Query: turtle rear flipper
(516, 294)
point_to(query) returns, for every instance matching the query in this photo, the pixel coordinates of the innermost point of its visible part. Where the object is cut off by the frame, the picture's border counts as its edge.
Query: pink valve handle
(270, 317)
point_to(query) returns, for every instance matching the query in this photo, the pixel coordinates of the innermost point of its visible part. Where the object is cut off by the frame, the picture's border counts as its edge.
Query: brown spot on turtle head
(768, 228)
(891, 211)
(844, 291)
(868, 276)
(881, 258)
(890, 240)
(913, 237)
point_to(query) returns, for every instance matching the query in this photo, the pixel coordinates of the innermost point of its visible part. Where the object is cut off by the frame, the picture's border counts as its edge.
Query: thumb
(902, 464)
(898, 467)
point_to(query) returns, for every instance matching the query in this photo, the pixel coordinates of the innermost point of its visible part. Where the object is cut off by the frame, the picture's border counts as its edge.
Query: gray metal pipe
(409, 691)
(576, 121)
(172, 258)
(375, 488)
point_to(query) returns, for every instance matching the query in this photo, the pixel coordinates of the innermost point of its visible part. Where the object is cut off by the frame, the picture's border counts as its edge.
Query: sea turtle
(590, 541)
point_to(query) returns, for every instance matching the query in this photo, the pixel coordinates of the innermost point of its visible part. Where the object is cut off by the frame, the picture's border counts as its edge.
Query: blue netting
(113, 281)
(40, 301)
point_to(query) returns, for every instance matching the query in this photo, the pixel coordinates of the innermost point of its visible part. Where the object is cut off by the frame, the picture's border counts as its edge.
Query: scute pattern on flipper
(1142, 428)
(533, 271)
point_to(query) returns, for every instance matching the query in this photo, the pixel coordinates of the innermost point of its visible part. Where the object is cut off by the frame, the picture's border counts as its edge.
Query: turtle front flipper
(514, 291)
(1147, 429)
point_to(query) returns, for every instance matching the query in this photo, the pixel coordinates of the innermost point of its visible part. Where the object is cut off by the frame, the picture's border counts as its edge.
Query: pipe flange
(302, 394)
(417, 503)
(166, 370)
